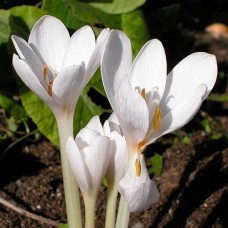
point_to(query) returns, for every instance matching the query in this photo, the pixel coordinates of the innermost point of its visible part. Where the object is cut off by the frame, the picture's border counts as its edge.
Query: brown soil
(192, 184)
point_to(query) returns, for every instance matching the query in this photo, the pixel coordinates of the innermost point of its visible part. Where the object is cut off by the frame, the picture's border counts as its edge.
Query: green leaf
(186, 140)
(40, 113)
(65, 11)
(29, 14)
(45, 120)
(12, 108)
(118, 6)
(7, 83)
(63, 225)
(134, 25)
(75, 14)
(85, 110)
(96, 83)
(218, 97)
(157, 164)
(22, 19)
(4, 26)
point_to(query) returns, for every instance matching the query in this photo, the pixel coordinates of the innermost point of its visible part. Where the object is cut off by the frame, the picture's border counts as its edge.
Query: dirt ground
(192, 184)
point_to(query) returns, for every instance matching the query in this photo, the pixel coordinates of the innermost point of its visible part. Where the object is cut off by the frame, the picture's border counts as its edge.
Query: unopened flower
(149, 104)
(56, 66)
(119, 156)
(89, 157)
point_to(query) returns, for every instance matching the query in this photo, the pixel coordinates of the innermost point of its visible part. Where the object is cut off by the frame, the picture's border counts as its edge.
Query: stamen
(138, 167)
(50, 88)
(143, 93)
(141, 144)
(157, 118)
(45, 71)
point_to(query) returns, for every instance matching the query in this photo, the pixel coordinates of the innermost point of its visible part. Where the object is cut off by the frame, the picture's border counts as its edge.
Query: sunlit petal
(181, 114)
(66, 85)
(95, 58)
(195, 69)
(132, 113)
(30, 80)
(139, 191)
(149, 68)
(95, 125)
(80, 48)
(49, 38)
(27, 54)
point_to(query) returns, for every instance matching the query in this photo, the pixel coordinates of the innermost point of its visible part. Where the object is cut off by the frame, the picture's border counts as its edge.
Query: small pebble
(38, 207)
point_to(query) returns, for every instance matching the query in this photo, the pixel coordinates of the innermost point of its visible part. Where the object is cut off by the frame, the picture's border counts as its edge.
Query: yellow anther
(141, 144)
(143, 93)
(157, 118)
(45, 71)
(50, 88)
(137, 167)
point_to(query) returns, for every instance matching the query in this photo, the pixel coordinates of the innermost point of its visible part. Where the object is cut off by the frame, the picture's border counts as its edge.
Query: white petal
(116, 62)
(49, 38)
(80, 48)
(141, 197)
(95, 58)
(119, 157)
(132, 113)
(85, 137)
(111, 125)
(130, 179)
(78, 165)
(67, 85)
(181, 114)
(97, 158)
(95, 125)
(195, 69)
(150, 68)
(27, 54)
(30, 80)
(139, 191)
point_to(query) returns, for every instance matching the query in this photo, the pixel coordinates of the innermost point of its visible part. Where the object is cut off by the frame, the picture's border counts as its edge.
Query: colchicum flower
(89, 155)
(149, 104)
(56, 66)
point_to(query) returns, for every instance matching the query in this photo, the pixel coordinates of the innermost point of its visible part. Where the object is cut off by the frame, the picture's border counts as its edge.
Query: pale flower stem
(72, 199)
(90, 203)
(123, 214)
(111, 206)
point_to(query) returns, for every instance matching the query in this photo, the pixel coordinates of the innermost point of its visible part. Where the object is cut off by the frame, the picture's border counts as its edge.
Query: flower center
(49, 77)
(156, 121)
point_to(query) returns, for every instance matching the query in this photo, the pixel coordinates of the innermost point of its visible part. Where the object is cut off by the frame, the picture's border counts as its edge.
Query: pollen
(45, 71)
(50, 88)
(137, 167)
(143, 93)
(157, 118)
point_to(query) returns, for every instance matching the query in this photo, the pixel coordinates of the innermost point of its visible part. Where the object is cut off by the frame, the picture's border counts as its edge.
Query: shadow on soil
(207, 179)
(16, 164)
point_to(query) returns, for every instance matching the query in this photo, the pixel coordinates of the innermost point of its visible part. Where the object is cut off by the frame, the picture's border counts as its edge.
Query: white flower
(56, 66)
(89, 157)
(149, 104)
(117, 165)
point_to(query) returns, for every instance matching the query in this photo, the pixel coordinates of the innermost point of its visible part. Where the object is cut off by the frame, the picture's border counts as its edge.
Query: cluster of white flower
(146, 102)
